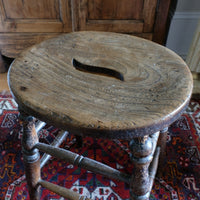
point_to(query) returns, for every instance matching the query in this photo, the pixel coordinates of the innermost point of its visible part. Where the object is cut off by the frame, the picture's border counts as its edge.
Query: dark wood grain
(157, 84)
(165, 11)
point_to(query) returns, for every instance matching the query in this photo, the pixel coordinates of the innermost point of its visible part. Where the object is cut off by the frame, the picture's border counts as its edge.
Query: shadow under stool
(99, 84)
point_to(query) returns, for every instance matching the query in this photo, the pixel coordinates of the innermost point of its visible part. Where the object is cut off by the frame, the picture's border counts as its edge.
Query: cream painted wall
(188, 6)
(183, 26)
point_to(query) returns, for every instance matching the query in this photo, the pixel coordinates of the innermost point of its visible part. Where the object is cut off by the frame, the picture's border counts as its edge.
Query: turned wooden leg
(162, 144)
(141, 149)
(5, 63)
(31, 156)
(3, 67)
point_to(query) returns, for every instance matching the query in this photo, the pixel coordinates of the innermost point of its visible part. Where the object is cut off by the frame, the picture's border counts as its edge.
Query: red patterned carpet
(180, 178)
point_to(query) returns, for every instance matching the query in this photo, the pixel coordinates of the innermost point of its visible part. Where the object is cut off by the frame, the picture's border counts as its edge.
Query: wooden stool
(101, 85)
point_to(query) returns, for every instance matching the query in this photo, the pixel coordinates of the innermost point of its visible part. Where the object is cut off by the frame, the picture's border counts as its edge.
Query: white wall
(183, 26)
(188, 6)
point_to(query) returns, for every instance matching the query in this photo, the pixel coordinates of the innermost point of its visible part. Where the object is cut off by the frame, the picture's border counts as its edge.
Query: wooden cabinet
(27, 22)
(134, 17)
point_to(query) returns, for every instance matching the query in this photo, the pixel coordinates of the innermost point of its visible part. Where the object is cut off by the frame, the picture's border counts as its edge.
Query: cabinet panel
(12, 44)
(114, 9)
(35, 16)
(127, 16)
(31, 9)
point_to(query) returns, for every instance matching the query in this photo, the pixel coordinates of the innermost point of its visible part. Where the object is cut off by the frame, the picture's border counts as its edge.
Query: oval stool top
(102, 84)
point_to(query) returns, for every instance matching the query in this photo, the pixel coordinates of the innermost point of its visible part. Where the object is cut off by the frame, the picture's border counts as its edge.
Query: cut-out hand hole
(97, 70)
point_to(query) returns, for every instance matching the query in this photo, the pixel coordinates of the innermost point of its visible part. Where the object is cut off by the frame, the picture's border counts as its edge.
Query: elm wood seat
(100, 84)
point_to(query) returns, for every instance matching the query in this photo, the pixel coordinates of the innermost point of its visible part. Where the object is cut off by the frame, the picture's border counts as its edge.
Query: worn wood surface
(83, 162)
(62, 135)
(64, 192)
(145, 156)
(162, 143)
(31, 156)
(157, 84)
(141, 150)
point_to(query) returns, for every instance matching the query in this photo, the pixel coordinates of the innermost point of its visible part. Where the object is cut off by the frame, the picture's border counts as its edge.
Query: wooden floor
(4, 85)
(3, 82)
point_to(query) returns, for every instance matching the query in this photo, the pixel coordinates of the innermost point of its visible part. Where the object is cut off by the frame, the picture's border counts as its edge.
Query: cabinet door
(35, 16)
(127, 16)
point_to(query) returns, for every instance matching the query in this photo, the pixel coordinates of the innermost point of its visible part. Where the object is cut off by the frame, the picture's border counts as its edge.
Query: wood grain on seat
(155, 89)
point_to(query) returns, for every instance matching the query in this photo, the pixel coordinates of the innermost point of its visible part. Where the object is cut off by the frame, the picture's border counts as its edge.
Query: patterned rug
(180, 178)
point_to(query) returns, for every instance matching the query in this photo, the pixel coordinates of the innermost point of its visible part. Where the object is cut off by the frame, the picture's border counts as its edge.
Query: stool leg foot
(141, 149)
(31, 156)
